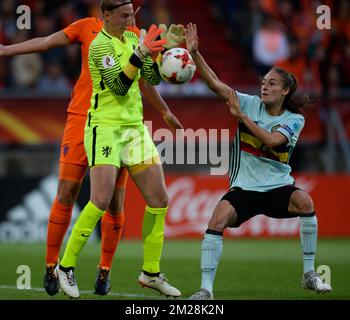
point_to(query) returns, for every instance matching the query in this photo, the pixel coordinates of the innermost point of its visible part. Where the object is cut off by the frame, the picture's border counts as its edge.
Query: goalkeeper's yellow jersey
(115, 98)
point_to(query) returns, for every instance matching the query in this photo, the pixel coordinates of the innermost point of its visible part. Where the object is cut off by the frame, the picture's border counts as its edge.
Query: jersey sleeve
(107, 62)
(292, 127)
(73, 31)
(150, 72)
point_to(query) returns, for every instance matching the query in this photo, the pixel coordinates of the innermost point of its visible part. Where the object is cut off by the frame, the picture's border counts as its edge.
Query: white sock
(308, 237)
(211, 254)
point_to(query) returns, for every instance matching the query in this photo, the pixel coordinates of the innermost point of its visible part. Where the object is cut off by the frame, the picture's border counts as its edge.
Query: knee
(67, 192)
(101, 200)
(224, 216)
(302, 203)
(216, 224)
(160, 201)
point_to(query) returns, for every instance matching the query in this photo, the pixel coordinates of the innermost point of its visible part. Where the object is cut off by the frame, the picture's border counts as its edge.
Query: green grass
(249, 269)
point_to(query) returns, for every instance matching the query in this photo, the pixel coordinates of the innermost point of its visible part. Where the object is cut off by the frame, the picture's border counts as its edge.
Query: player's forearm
(210, 78)
(154, 98)
(37, 44)
(30, 46)
(269, 139)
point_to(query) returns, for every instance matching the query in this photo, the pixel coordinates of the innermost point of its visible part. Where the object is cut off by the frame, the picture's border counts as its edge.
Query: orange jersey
(83, 31)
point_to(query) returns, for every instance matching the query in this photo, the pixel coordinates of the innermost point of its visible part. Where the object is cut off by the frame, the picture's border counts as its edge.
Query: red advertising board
(193, 198)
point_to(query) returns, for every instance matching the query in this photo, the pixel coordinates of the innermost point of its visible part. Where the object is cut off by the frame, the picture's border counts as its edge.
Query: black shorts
(273, 203)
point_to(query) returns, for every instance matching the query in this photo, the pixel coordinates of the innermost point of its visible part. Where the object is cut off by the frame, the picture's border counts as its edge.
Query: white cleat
(67, 282)
(202, 294)
(159, 284)
(312, 281)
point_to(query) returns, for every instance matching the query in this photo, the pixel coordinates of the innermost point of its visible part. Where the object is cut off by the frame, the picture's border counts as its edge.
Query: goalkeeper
(73, 161)
(115, 136)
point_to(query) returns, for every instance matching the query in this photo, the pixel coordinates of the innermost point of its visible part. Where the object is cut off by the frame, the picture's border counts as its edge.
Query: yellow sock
(153, 238)
(80, 234)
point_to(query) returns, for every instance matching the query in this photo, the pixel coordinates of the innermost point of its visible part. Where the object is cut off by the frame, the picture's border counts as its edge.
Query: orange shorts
(72, 145)
(73, 159)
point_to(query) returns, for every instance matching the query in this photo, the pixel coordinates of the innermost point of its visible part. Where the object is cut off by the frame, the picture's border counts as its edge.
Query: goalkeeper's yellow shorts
(120, 145)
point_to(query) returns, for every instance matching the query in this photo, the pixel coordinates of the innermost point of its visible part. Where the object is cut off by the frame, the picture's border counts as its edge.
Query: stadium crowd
(269, 32)
(284, 33)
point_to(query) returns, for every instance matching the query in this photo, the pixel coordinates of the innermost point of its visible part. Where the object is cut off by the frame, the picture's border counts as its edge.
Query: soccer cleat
(51, 283)
(312, 281)
(159, 284)
(103, 281)
(202, 294)
(67, 282)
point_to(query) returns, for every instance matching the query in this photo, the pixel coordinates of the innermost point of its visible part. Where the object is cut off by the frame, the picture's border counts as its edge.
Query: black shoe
(51, 283)
(103, 281)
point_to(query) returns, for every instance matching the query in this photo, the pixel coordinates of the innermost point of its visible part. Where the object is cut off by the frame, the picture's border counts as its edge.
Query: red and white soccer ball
(177, 66)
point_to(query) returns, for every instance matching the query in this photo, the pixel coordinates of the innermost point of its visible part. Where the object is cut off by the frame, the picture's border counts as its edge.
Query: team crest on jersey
(65, 148)
(108, 61)
(106, 151)
(274, 128)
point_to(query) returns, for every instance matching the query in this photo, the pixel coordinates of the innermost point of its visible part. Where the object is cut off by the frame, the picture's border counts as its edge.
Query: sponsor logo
(27, 221)
(191, 207)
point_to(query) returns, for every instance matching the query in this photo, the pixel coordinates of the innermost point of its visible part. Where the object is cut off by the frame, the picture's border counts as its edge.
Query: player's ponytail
(293, 102)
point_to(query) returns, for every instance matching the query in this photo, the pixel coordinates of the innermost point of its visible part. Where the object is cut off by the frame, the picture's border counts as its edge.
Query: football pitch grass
(249, 270)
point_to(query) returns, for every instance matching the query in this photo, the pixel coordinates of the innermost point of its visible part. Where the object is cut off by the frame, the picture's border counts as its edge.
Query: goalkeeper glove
(148, 44)
(175, 36)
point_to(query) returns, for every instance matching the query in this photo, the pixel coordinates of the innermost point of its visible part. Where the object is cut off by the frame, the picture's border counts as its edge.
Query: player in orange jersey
(73, 161)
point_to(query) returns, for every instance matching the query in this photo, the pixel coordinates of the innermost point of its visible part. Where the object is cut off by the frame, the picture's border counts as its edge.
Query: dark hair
(108, 5)
(293, 102)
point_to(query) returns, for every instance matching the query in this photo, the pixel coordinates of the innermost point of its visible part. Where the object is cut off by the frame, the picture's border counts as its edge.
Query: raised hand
(149, 45)
(234, 104)
(175, 36)
(172, 122)
(191, 38)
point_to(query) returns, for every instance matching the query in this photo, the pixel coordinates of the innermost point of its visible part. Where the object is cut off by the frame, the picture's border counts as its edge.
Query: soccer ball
(177, 66)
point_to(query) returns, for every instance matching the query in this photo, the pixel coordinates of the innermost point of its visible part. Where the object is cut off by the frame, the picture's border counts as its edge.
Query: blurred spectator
(8, 19)
(25, 69)
(4, 73)
(333, 78)
(161, 12)
(305, 70)
(295, 63)
(342, 18)
(54, 81)
(270, 45)
(345, 64)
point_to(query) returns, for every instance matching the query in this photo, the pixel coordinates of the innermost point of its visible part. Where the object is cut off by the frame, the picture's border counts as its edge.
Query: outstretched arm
(155, 99)
(208, 75)
(35, 45)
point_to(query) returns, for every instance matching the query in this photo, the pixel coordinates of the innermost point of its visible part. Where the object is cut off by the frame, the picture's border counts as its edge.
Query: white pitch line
(114, 294)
